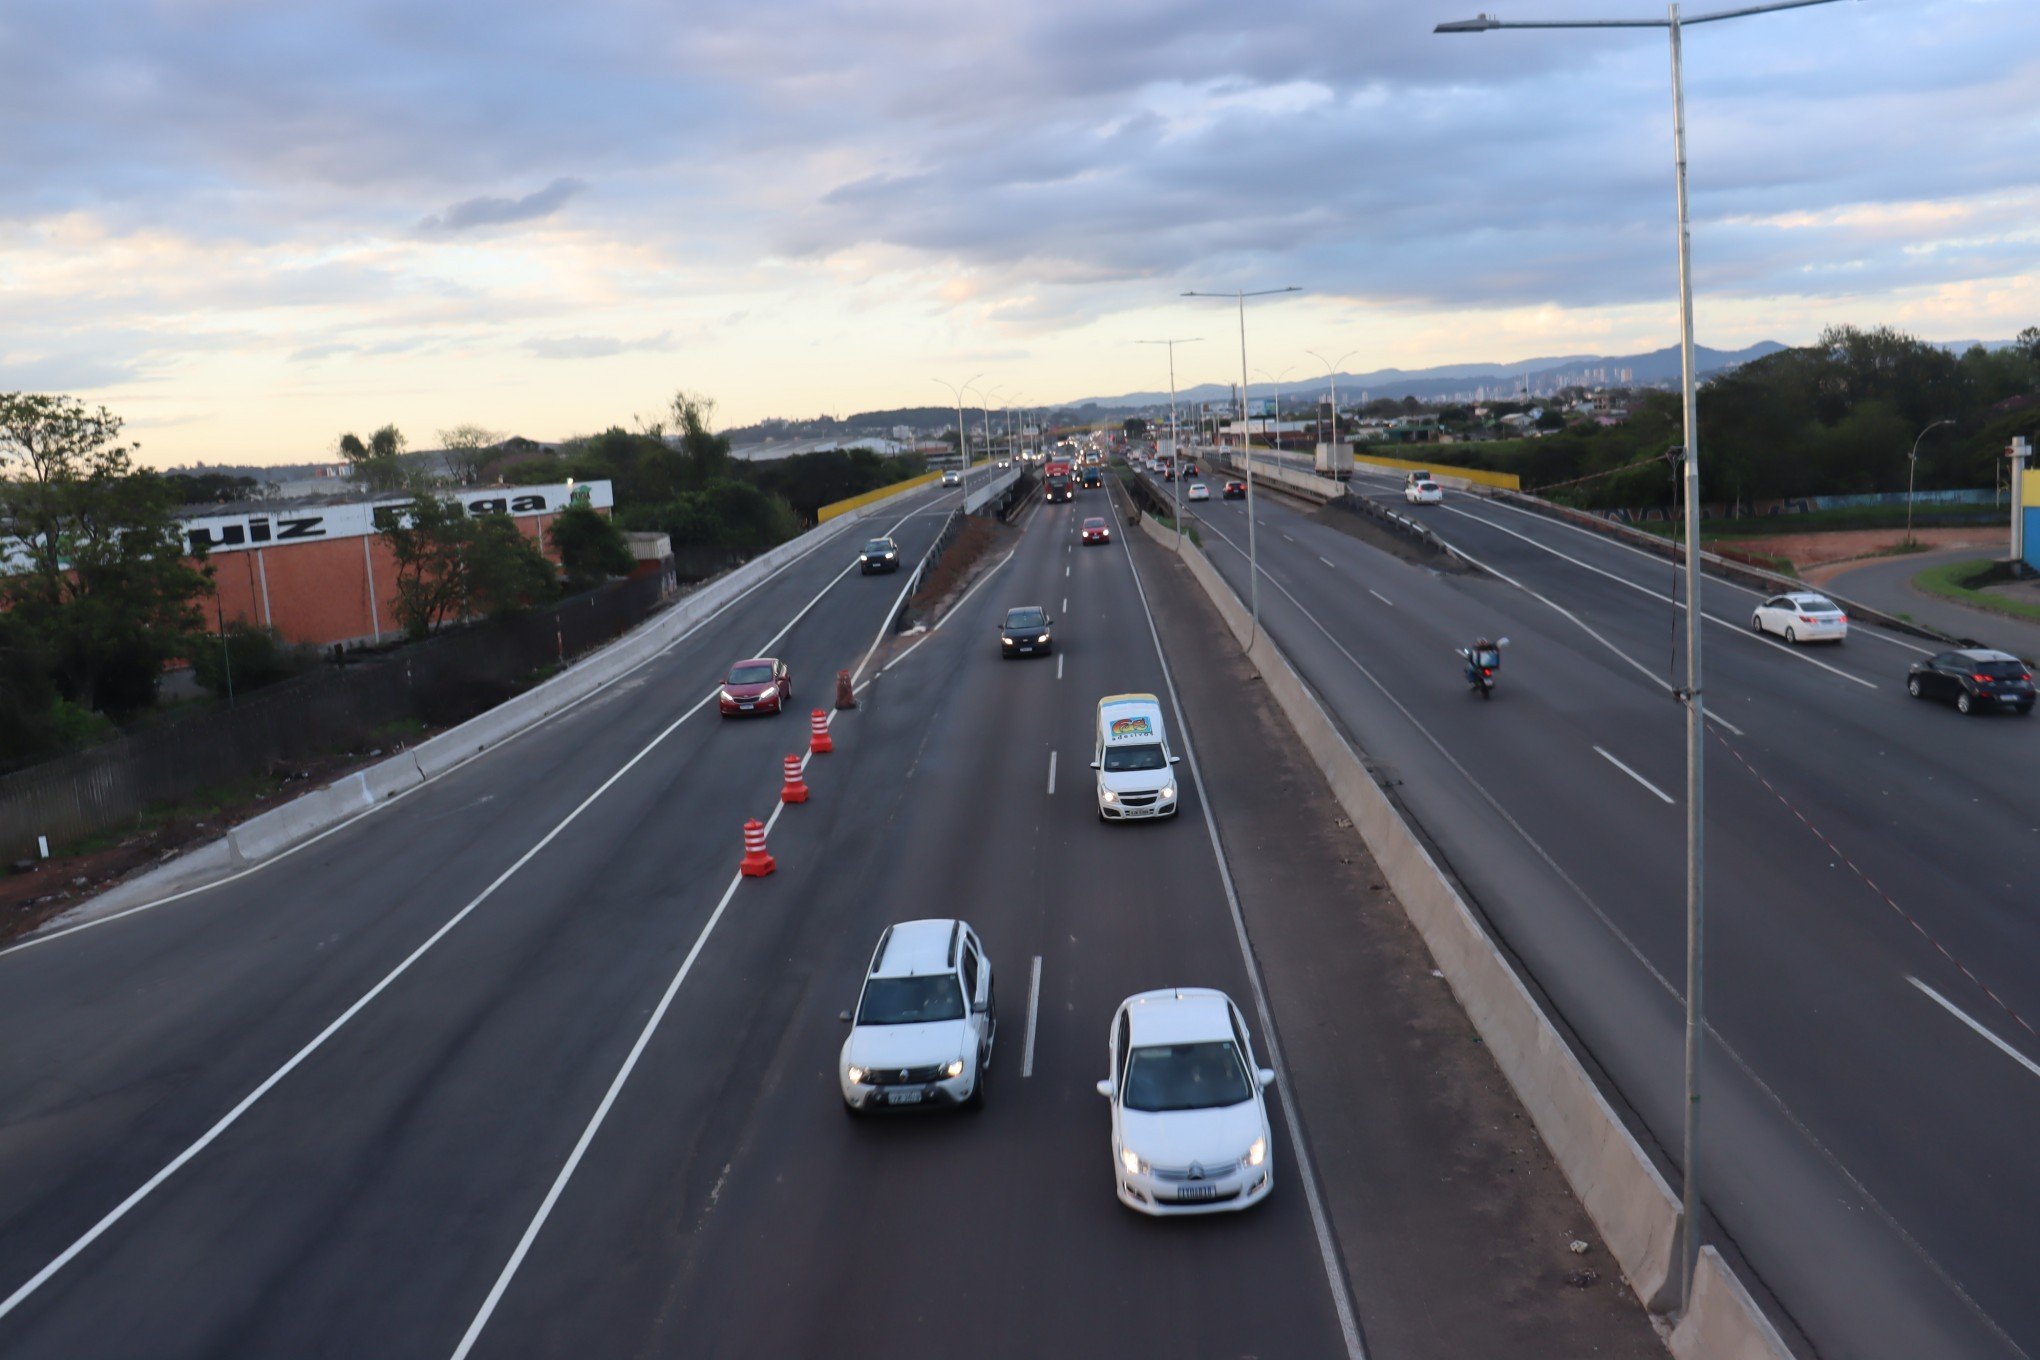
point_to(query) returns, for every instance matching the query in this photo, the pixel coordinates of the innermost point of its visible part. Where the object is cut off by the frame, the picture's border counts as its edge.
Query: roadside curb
(1630, 1203)
(288, 826)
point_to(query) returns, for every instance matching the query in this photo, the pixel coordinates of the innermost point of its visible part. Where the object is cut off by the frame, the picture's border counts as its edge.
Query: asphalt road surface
(1872, 1089)
(1887, 585)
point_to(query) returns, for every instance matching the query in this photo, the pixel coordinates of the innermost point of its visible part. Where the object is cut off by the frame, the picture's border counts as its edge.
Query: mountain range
(1454, 380)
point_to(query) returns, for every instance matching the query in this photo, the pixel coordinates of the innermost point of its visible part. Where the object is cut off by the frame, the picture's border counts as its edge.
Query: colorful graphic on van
(1123, 728)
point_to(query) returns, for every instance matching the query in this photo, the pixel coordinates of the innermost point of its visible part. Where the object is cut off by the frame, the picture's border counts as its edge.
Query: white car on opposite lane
(1801, 616)
(1190, 1128)
(1423, 493)
(1198, 492)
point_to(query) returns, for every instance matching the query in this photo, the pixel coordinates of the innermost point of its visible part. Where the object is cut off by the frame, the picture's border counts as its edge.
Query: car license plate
(747, 705)
(1190, 1194)
(1139, 812)
(903, 1097)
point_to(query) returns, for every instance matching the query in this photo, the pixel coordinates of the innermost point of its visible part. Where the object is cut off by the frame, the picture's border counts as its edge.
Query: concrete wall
(1630, 1203)
(843, 507)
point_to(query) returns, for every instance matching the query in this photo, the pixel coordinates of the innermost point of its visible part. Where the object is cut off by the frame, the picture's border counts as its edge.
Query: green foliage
(250, 657)
(451, 566)
(732, 515)
(467, 450)
(1134, 427)
(103, 585)
(591, 548)
(379, 464)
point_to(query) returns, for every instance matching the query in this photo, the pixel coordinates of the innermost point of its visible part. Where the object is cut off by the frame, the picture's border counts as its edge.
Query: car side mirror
(979, 1008)
(1267, 1076)
(1105, 1088)
(844, 1016)
(1094, 764)
(1175, 760)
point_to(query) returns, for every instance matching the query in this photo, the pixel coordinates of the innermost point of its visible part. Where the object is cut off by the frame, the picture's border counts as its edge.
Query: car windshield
(910, 1000)
(879, 545)
(1025, 618)
(1094, 523)
(1186, 1077)
(750, 675)
(1144, 757)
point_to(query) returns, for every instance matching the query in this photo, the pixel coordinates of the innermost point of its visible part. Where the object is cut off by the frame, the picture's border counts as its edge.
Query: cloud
(595, 346)
(497, 212)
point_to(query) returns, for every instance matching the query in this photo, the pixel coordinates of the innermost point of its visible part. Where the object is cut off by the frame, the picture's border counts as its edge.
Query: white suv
(925, 1021)
(1189, 1127)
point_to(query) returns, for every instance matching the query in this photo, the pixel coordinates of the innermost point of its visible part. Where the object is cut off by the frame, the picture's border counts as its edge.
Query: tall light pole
(1175, 437)
(1696, 727)
(1332, 370)
(962, 430)
(1275, 436)
(1253, 557)
(1912, 463)
(985, 410)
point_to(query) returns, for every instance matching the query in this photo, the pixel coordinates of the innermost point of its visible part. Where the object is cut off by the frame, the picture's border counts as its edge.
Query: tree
(379, 464)
(591, 548)
(468, 450)
(1134, 427)
(709, 452)
(102, 580)
(450, 566)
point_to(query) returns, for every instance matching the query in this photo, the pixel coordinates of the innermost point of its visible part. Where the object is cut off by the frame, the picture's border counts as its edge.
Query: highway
(516, 1066)
(1871, 872)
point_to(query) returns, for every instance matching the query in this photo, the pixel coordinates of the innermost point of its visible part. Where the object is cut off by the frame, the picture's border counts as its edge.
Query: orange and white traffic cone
(795, 789)
(756, 862)
(846, 697)
(819, 742)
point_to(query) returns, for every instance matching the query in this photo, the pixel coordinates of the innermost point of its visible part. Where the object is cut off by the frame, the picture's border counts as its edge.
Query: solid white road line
(1381, 597)
(1950, 1007)
(166, 900)
(1033, 1009)
(1335, 1275)
(1051, 774)
(1736, 628)
(1633, 774)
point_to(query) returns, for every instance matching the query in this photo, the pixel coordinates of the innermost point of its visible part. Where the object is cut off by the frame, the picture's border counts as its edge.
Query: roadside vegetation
(1960, 582)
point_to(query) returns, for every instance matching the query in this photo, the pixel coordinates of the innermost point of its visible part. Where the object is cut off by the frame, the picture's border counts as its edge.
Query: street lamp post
(1912, 463)
(1672, 23)
(962, 430)
(984, 412)
(1332, 371)
(1175, 436)
(1253, 558)
(1275, 431)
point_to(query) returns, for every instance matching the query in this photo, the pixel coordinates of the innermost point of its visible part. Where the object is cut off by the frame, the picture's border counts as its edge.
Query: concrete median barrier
(1621, 1189)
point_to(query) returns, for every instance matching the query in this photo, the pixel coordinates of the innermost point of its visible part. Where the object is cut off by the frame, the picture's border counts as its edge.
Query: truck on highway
(1055, 480)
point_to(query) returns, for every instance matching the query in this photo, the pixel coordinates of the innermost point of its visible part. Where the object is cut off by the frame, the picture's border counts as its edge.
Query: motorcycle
(1483, 666)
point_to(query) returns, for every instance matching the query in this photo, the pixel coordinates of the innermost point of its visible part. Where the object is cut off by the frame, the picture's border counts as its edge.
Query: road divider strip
(1630, 1203)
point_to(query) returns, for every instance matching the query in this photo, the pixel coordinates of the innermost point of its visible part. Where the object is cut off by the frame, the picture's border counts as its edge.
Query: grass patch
(1168, 522)
(1854, 517)
(1951, 581)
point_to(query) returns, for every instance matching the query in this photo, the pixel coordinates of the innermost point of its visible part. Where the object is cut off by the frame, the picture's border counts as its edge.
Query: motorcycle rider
(1483, 655)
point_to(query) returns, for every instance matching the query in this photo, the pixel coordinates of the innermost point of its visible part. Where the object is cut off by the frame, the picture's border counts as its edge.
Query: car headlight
(1257, 1154)
(729, 697)
(1042, 638)
(856, 1074)
(1108, 796)
(1168, 792)
(1129, 1159)
(1006, 641)
(955, 1069)
(890, 556)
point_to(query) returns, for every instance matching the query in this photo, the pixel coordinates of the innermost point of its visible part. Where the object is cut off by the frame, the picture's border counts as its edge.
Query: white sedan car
(1423, 493)
(1801, 616)
(1198, 492)
(1189, 1126)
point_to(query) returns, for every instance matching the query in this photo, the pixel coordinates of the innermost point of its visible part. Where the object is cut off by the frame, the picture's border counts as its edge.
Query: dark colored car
(881, 554)
(1235, 491)
(1096, 530)
(1026, 632)
(1976, 680)
(1190, 469)
(760, 685)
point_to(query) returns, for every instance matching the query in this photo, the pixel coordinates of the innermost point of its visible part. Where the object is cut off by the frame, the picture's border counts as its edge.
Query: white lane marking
(1616, 541)
(1381, 597)
(1952, 1009)
(1633, 774)
(936, 627)
(1066, 604)
(1058, 665)
(1329, 562)
(1335, 1276)
(1033, 1009)
(885, 625)
(559, 1185)
(462, 764)
(1051, 774)
(1735, 628)
(1066, 572)
(1287, 539)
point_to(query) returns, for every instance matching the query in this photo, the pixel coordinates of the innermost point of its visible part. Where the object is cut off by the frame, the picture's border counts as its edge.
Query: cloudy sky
(248, 225)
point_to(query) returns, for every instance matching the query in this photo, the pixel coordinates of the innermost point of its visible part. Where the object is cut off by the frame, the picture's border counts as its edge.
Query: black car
(1235, 491)
(881, 554)
(1977, 680)
(1025, 632)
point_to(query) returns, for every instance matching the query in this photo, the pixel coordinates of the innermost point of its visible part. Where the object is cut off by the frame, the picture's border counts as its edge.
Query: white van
(1136, 773)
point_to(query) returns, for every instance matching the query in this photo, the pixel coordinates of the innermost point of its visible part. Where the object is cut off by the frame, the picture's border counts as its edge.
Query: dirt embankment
(1818, 556)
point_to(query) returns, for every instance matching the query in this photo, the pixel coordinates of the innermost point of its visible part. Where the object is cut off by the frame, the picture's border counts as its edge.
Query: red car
(760, 685)
(1096, 530)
